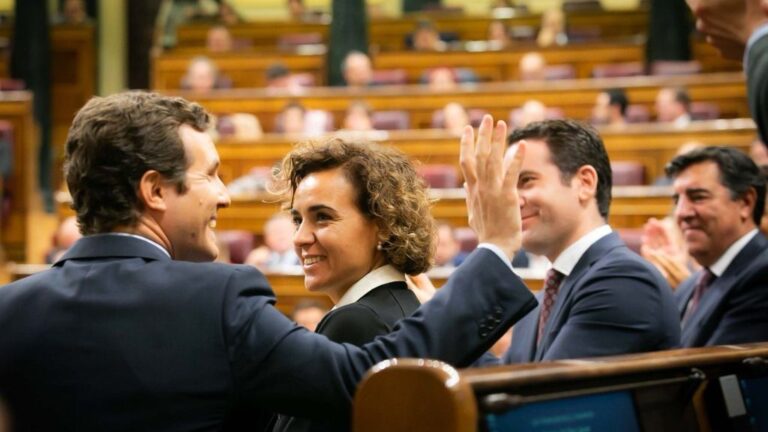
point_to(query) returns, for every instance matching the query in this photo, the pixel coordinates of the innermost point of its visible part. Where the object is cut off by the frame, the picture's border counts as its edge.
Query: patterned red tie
(702, 284)
(551, 285)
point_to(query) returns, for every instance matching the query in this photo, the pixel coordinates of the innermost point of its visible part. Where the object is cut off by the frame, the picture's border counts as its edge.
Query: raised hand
(491, 185)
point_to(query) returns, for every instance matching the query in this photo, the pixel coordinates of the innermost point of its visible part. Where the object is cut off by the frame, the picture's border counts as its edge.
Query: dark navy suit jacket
(613, 302)
(734, 308)
(119, 337)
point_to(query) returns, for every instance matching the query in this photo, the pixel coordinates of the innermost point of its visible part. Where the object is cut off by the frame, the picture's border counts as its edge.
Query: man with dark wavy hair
(719, 202)
(134, 329)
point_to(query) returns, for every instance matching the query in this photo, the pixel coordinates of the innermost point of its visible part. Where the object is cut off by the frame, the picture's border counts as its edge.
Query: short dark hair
(682, 97)
(113, 141)
(572, 145)
(738, 173)
(277, 70)
(618, 97)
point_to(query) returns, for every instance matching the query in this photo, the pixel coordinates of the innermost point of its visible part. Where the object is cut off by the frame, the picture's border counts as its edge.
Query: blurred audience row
(612, 108)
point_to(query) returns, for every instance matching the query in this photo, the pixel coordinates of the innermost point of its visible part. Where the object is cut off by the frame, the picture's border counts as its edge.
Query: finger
(467, 158)
(514, 166)
(483, 146)
(498, 146)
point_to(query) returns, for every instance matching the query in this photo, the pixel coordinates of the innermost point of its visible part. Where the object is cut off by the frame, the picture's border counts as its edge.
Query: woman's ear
(151, 191)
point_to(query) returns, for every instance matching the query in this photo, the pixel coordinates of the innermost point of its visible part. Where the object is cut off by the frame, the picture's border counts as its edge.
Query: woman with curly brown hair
(363, 223)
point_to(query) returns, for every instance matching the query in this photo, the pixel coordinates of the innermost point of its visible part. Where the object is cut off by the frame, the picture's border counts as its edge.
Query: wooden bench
(651, 144)
(17, 230)
(574, 97)
(713, 388)
(390, 33)
(248, 68)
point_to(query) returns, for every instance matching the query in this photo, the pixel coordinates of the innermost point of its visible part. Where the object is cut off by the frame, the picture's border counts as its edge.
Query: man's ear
(586, 176)
(152, 190)
(750, 201)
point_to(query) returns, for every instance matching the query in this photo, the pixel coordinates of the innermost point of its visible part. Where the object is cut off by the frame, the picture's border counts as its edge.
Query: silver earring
(379, 247)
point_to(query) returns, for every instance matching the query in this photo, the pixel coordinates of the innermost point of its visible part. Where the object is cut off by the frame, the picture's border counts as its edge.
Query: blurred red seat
(466, 237)
(390, 77)
(391, 120)
(704, 111)
(239, 244)
(628, 173)
(439, 176)
(669, 67)
(612, 70)
(638, 114)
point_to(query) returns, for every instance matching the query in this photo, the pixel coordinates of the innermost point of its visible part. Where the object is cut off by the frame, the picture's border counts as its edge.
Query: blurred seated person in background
(498, 34)
(203, 76)
(357, 69)
(218, 40)
(242, 126)
(531, 111)
(72, 13)
(277, 253)
(448, 252)
(758, 152)
(227, 14)
(291, 118)
(358, 117)
(65, 236)
(427, 38)
(442, 79)
(673, 106)
(308, 313)
(279, 77)
(552, 31)
(610, 108)
(363, 223)
(532, 67)
(455, 118)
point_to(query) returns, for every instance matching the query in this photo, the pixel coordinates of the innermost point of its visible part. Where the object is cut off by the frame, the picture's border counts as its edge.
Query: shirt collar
(566, 261)
(140, 238)
(375, 278)
(719, 267)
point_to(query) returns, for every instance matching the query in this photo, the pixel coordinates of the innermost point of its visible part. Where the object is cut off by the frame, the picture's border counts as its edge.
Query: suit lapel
(699, 327)
(570, 284)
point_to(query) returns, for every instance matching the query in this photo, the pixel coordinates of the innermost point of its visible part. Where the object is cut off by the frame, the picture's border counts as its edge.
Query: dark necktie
(551, 286)
(705, 279)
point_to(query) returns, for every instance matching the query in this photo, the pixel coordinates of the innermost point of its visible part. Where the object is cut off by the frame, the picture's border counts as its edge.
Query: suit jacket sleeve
(757, 85)
(285, 368)
(619, 310)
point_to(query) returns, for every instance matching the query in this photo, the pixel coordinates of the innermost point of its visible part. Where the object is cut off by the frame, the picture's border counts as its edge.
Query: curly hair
(389, 192)
(113, 141)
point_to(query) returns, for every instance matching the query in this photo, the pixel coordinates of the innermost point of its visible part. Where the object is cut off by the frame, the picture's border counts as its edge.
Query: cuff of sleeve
(499, 253)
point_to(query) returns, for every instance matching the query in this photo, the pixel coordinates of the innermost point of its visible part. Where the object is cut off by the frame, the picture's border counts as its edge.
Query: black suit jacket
(119, 337)
(375, 314)
(734, 308)
(757, 85)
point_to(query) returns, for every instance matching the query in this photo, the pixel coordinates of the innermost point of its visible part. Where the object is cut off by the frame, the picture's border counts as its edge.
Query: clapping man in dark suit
(134, 329)
(599, 298)
(720, 196)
